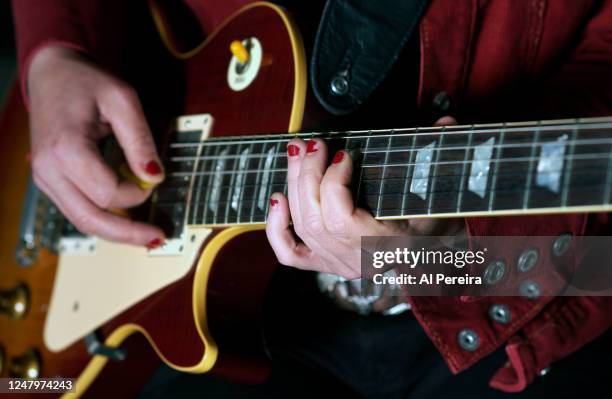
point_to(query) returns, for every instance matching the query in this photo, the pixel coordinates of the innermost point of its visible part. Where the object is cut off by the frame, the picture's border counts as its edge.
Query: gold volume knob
(15, 302)
(240, 51)
(26, 365)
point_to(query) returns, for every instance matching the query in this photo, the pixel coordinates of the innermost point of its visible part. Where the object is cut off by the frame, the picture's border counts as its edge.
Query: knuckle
(84, 223)
(104, 198)
(123, 92)
(313, 225)
(63, 149)
(336, 225)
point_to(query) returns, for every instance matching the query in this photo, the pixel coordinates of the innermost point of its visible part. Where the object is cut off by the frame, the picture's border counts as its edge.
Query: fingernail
(154, 243)
(312, 146)
(273, 202)
(153, 168)
(293, 150)
(338, 157)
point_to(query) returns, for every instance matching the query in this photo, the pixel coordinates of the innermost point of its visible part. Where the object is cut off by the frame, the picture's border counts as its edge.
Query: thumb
(446, 121)
(121, 108)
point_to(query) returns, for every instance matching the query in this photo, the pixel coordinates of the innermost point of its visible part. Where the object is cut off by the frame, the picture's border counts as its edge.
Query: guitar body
(207, 318)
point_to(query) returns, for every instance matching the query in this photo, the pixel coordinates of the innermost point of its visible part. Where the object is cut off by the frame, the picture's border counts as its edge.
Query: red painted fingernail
(273, 202)
(311, 147)
(153, 168)
(293, 150)
(154, 243)
(338, 157)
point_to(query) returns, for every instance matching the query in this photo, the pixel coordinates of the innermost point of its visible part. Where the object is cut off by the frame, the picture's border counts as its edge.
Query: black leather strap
(356, 45)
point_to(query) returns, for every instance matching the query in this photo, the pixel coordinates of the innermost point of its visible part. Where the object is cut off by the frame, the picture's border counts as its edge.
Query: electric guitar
(95, 309)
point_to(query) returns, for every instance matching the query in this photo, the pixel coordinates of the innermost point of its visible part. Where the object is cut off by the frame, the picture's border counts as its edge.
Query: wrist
(44, 60)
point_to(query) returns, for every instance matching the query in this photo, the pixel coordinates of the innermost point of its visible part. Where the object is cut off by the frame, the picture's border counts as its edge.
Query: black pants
(320, 351)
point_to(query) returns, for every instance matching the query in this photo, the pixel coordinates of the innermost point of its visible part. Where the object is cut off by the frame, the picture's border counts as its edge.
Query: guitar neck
(501, 169)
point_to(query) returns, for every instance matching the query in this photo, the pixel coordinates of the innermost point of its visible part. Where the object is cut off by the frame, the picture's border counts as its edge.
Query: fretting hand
(325, 219)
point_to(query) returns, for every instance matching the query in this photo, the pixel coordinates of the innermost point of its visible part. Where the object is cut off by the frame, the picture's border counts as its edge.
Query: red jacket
(496, 60)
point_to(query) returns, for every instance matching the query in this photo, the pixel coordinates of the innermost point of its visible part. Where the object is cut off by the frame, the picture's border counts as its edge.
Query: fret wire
(464, 170)
(361, 171)
(384, 171)
(585, 171)
(608, 187)
(397, 132)
(593, 155)
(198, 187)
(232, 184)
(408, 174)
(432, 179)
(587, 156)
(496, 170)
(568, 169)
(518, 208)
(257, 182)
(536, 136)
(208, 189)
(406, 149)
(242, 181)
(269, 193)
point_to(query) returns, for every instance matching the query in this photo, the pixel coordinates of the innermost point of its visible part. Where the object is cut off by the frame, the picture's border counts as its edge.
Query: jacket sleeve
(94, 27)
(579, 86)
(582, 83)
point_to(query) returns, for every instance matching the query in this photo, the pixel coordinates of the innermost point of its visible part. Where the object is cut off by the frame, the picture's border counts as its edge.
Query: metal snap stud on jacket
(544, 371)
(562, 244)
(494, 272)
(530, 290)
(442, 102)
(527, 260)
(468, 340)
(500, 313)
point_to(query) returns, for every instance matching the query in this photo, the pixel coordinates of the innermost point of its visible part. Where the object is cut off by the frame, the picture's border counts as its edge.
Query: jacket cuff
(569, 324)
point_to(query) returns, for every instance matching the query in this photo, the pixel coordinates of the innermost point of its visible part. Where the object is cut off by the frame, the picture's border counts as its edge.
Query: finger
(87, 170)
(309, 188)
(337, 203)
(296, 149)
(91, 220)
(121, 108)
(340, 215)
(446, 121)
(280, 235)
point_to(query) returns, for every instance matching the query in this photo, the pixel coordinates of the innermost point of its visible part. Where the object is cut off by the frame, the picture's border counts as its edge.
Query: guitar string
(466, 206)
(495, 190)
(509, 191)
(586, 156)
(407, 149)
(420, 132)
(583, 171)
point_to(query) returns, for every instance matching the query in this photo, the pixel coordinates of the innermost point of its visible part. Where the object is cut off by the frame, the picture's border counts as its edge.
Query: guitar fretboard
(556, 166)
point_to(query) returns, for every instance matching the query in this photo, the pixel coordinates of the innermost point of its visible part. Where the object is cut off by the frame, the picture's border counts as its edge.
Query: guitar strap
(357, 43)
